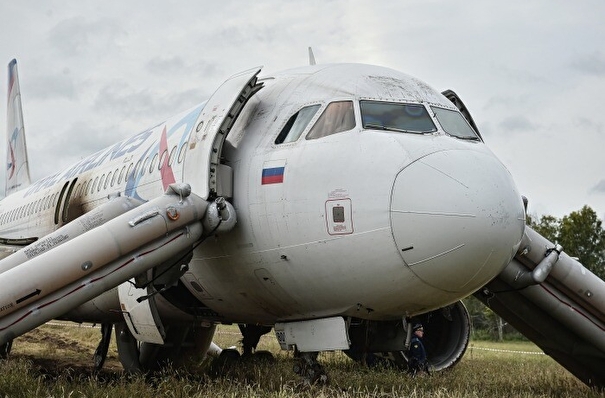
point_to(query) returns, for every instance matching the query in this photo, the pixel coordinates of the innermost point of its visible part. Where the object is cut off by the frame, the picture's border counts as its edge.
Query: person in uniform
(417, 354)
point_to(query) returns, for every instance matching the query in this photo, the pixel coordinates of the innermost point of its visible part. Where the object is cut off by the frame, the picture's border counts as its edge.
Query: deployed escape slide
(555, 302)
(100, 250)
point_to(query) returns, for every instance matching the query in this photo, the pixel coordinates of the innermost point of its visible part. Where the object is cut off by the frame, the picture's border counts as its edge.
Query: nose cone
(457, 218)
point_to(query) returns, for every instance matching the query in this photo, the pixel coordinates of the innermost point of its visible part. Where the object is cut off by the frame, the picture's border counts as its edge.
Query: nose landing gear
(251, 336)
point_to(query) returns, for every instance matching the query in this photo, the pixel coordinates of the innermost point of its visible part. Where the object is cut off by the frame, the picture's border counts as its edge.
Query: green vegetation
(64, 371)
(580, 233)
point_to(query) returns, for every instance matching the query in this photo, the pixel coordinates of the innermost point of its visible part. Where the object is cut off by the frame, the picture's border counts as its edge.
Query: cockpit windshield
(406, 118)
(454, 123)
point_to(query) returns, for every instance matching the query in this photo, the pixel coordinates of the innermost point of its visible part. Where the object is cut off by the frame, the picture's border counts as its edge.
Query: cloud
(77, 36)
(590, 64)
(599, 188)
(163, 65)
(52, 86)
(588, 124)
(516, 123)
(74, 142)
(121, 100)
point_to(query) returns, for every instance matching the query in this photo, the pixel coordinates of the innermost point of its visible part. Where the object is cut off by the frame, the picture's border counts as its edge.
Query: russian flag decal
(273, 172)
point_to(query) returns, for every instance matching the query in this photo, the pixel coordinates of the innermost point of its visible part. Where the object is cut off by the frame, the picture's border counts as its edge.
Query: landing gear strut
(101, 352)
(5, 349)
(252, 335)
(309, 368)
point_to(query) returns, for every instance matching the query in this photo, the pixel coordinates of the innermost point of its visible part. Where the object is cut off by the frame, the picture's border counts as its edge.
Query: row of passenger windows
(30, 208)
(339, 116)
(109, 180)
(132, 171)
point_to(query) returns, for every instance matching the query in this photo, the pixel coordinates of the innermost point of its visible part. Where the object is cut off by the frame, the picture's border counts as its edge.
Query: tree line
(581, 235)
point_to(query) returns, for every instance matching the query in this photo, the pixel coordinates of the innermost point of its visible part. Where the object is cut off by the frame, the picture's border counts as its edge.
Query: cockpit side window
(296, 124)
(337, 117)
(454, 123)
(404, 118)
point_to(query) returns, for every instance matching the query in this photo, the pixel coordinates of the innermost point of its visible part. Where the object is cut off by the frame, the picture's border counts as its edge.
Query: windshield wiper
(389, 128)
(469, 138)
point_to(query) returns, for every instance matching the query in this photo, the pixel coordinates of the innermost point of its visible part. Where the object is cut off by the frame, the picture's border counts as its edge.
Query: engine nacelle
(446, 336)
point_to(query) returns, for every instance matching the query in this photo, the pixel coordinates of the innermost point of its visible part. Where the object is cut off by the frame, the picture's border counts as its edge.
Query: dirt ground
(65, 347)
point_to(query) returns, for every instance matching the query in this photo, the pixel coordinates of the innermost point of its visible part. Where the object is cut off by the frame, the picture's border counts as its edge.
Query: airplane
(337, 204)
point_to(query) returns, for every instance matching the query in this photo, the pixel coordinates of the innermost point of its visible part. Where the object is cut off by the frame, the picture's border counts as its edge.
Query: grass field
(55, 361)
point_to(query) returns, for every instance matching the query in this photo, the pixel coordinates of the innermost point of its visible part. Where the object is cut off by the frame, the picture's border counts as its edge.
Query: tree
(581, 234)
(548, 227)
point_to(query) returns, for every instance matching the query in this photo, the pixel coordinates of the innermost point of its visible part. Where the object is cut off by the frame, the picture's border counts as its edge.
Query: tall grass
(480, 374)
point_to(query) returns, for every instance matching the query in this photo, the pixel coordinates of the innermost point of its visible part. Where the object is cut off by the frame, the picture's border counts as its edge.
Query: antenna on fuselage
(311, 57)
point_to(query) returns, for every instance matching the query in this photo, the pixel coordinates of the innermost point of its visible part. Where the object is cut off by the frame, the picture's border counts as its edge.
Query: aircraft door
(203, 170)
(71, 210)
(63, 212)
(60, 203)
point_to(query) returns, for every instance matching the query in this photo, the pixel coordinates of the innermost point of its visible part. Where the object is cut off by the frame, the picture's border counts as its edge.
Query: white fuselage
(368, 223)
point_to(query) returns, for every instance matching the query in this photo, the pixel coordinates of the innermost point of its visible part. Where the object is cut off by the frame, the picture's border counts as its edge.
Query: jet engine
(446, 336)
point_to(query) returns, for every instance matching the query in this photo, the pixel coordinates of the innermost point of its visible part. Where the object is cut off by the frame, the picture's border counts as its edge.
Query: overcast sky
(532, 73)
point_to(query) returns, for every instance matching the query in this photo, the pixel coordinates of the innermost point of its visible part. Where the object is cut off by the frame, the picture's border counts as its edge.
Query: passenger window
(136, 170)
(144, 165)
(94, 185)
(162, 159)
(296, 124)
(172, 155)
(121, 175)
(152, 164)
(182, 153)
(336, 118)
(115, 174)
(128, 170)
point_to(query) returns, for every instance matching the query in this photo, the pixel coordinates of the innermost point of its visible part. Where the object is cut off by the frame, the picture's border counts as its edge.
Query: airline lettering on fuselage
(122, 149)
(118, 150)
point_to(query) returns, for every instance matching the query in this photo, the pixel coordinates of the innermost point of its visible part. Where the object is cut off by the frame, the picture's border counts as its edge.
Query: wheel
(224, 362)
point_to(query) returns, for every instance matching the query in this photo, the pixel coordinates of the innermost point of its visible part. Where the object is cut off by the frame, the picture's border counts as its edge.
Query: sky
(531, 72)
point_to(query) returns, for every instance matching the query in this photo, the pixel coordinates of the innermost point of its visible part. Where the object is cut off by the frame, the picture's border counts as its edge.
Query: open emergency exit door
(203, 168)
